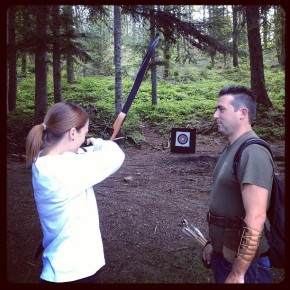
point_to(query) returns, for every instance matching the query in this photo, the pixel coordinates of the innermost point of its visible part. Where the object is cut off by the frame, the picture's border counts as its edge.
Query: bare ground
(140, 218)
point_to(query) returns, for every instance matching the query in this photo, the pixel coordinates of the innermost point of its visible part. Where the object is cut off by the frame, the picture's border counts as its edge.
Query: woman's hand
(96, 142)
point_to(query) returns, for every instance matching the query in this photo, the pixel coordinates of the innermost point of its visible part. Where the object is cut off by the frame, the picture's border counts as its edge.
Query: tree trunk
(178, 57)
(225, 59)
(12, 74)
(235, 36)
(256, 56)
(69, 55)
(211, 32)
(23, 64)
(212, 59)
(118, 66)
(41, 65)
(56, 55)
(264, 14)
(26, 19)
(166, 49)
(153, 64)
(279, 19)
(69, 68)
(166, 60)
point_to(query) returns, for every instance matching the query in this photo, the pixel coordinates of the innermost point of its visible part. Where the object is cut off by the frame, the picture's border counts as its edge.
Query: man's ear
(244, 112)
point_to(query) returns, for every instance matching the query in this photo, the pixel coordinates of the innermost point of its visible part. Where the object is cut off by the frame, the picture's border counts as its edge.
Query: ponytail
(34, 143)
(59, 119)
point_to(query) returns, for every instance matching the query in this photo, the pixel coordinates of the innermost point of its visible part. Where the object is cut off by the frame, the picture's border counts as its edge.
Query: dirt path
(139, 218)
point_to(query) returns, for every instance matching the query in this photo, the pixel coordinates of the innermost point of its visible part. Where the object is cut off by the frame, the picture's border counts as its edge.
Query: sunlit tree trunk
(118, 65)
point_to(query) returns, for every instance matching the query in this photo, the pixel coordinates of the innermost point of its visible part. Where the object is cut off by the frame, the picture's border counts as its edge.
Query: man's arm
(255, 204)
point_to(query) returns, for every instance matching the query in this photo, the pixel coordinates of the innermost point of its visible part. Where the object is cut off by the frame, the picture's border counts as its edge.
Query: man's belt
(223, 221)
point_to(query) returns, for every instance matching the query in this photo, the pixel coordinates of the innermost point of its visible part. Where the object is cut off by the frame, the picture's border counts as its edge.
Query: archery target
(183, 140)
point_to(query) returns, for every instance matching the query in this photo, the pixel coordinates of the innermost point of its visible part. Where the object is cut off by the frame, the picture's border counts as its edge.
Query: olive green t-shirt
(255, 167)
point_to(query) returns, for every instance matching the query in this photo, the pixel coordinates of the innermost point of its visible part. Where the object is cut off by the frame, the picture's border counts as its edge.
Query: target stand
(183, 140)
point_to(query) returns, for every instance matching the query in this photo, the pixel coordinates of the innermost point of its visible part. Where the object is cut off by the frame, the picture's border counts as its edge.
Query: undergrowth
(186, 99)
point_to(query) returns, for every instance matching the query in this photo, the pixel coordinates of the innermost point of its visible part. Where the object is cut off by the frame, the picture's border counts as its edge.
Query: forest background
(91, 54)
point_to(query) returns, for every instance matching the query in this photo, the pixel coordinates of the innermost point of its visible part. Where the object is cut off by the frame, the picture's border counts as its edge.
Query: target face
(182, 139)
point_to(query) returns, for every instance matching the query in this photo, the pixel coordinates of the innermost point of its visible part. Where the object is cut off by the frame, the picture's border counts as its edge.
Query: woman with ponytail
(63, 183)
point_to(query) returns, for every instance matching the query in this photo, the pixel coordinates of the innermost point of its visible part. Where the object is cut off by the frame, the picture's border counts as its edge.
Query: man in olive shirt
(238, 204)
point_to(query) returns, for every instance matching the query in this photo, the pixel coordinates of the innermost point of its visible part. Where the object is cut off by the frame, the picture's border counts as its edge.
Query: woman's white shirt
(67, 207)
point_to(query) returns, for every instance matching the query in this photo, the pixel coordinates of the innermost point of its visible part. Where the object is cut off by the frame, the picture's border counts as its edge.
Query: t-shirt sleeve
(256, 166)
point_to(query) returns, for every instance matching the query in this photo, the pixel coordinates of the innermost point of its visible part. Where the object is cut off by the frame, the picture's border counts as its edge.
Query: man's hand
(237, 274)
(234, 279)
(207, 253)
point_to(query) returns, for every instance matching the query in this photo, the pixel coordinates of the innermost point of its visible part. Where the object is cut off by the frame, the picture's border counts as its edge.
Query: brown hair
(59, 119)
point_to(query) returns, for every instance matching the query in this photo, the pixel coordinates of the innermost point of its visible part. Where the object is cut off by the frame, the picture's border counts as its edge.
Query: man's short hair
(242, 97)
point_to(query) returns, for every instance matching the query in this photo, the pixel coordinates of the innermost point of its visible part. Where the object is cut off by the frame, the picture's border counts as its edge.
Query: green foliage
(270, 124)
(25, 93)
(182, 102)
(276, 87)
